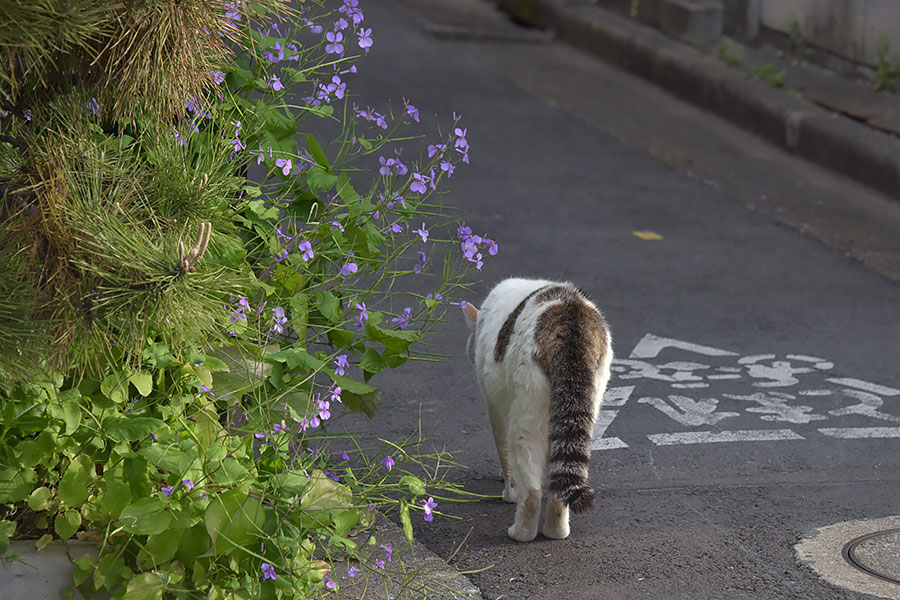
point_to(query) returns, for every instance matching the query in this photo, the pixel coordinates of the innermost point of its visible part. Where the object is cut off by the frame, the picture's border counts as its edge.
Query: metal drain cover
(862, 556)
(877, 554)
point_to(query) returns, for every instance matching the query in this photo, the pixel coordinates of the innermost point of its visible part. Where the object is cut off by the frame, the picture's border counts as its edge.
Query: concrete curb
(828, 139)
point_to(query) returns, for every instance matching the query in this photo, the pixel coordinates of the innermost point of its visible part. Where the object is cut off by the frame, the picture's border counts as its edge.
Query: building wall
(850, 28)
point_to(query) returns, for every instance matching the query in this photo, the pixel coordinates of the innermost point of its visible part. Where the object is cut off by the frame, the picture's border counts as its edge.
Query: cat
(542, 353)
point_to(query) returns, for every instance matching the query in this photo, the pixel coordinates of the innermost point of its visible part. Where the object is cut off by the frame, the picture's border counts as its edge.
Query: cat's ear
(470, 313)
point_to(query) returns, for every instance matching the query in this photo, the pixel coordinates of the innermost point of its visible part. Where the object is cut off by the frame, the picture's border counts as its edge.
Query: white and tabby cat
(542, 352)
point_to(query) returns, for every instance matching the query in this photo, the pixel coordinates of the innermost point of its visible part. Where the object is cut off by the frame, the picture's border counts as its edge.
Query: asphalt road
(756, 393)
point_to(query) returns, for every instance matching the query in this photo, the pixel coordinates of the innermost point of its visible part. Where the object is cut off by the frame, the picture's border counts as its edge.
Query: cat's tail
(572, 339)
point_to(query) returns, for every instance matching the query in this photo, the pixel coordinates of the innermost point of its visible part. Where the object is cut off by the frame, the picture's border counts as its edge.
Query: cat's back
(505, 316)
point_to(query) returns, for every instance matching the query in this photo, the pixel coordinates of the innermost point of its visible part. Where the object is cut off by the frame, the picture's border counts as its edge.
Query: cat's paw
(522, 534)
(509, 494)
(556, 531)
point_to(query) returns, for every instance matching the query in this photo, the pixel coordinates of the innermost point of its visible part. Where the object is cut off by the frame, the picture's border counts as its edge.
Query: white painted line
(604, 419)
(608, 444)
(708, 437)
(617, 396)
(651, 345)
(881, 390)
(861, 433)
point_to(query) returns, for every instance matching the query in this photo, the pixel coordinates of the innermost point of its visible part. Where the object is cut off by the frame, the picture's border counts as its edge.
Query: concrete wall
(849, 28)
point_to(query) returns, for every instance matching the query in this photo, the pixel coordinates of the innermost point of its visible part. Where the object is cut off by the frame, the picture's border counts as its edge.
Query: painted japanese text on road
(709, 395)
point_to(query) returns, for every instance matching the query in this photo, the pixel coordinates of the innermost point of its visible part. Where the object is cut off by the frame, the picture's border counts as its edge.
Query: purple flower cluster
(280, 319)
(402, 321)
(472, 244)
(392, 166)
(371, 115)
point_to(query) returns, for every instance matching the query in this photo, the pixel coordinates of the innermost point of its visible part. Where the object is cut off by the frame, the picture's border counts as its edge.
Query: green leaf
(233, 519)
(39, 499)
(406, 522)
(71, 414)
(316, 150)
(245, 373)
(146, 586)
(136, 474)
(114, 388)
(353, 386)
(131, 429)
(43, 541)
(147, 516)
(416, 486)
(344, 521)
(7, 529)
(215, 364)
(73, 487)
(67, 523)
(320, 180)
(162, 547)
(142, 382)
(371, 362)
(346, 191)
(115, 492)
(300, 314)
(329, 305)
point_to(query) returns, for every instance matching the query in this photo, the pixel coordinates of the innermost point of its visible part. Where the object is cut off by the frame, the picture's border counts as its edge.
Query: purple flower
(341, 363)
(275, 83)
(436, 149)
(418, 184)
(337, 225)
(188, 484)
(217, 76)
(285, 165)
(167, 489)
(403, 320)
(447, 168)
(430, 505)
(232, 11)
(395, 228)
(388, 551)
(423, 258)
(268, 571)
(347, 269)
(363, 312)
(335, 392)
(94, 106)
(334, 46)
(329, 583)
(352, 572)
(280, 319)
(306, 248)
(414, 113)
(345, 456)
(386, 165)
(278, 56)
(388, 462)
(422, 232)
(365, 39)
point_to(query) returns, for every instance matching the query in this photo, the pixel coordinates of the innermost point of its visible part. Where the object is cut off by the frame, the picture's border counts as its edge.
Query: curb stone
(828, 139)
(427, 576)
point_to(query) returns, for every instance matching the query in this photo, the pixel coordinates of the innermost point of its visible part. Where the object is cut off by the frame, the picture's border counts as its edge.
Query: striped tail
(571, 337)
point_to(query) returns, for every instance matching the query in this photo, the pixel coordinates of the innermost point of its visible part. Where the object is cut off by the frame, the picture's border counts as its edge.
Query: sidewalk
(836, 123)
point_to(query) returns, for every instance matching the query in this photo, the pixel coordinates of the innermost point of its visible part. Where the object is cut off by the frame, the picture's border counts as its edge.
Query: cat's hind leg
(528, 459)
(556, 519)
(498, 412)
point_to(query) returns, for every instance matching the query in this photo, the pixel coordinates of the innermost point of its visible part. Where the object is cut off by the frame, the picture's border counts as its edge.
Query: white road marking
(651, 345)
(881, 390)
(861, 433)
(688, 411)
(707, 437)
(617, 396)
(604, 419)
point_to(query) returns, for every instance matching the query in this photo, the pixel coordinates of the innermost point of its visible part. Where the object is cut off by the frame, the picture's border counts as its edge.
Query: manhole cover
(877, 554)
(863, 556)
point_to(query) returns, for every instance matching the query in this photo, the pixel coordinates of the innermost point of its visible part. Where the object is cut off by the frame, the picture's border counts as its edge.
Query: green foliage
(887, 66)
(181, 336)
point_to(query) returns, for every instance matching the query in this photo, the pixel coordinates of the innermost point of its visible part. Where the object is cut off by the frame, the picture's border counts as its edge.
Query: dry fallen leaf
(647, 235)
